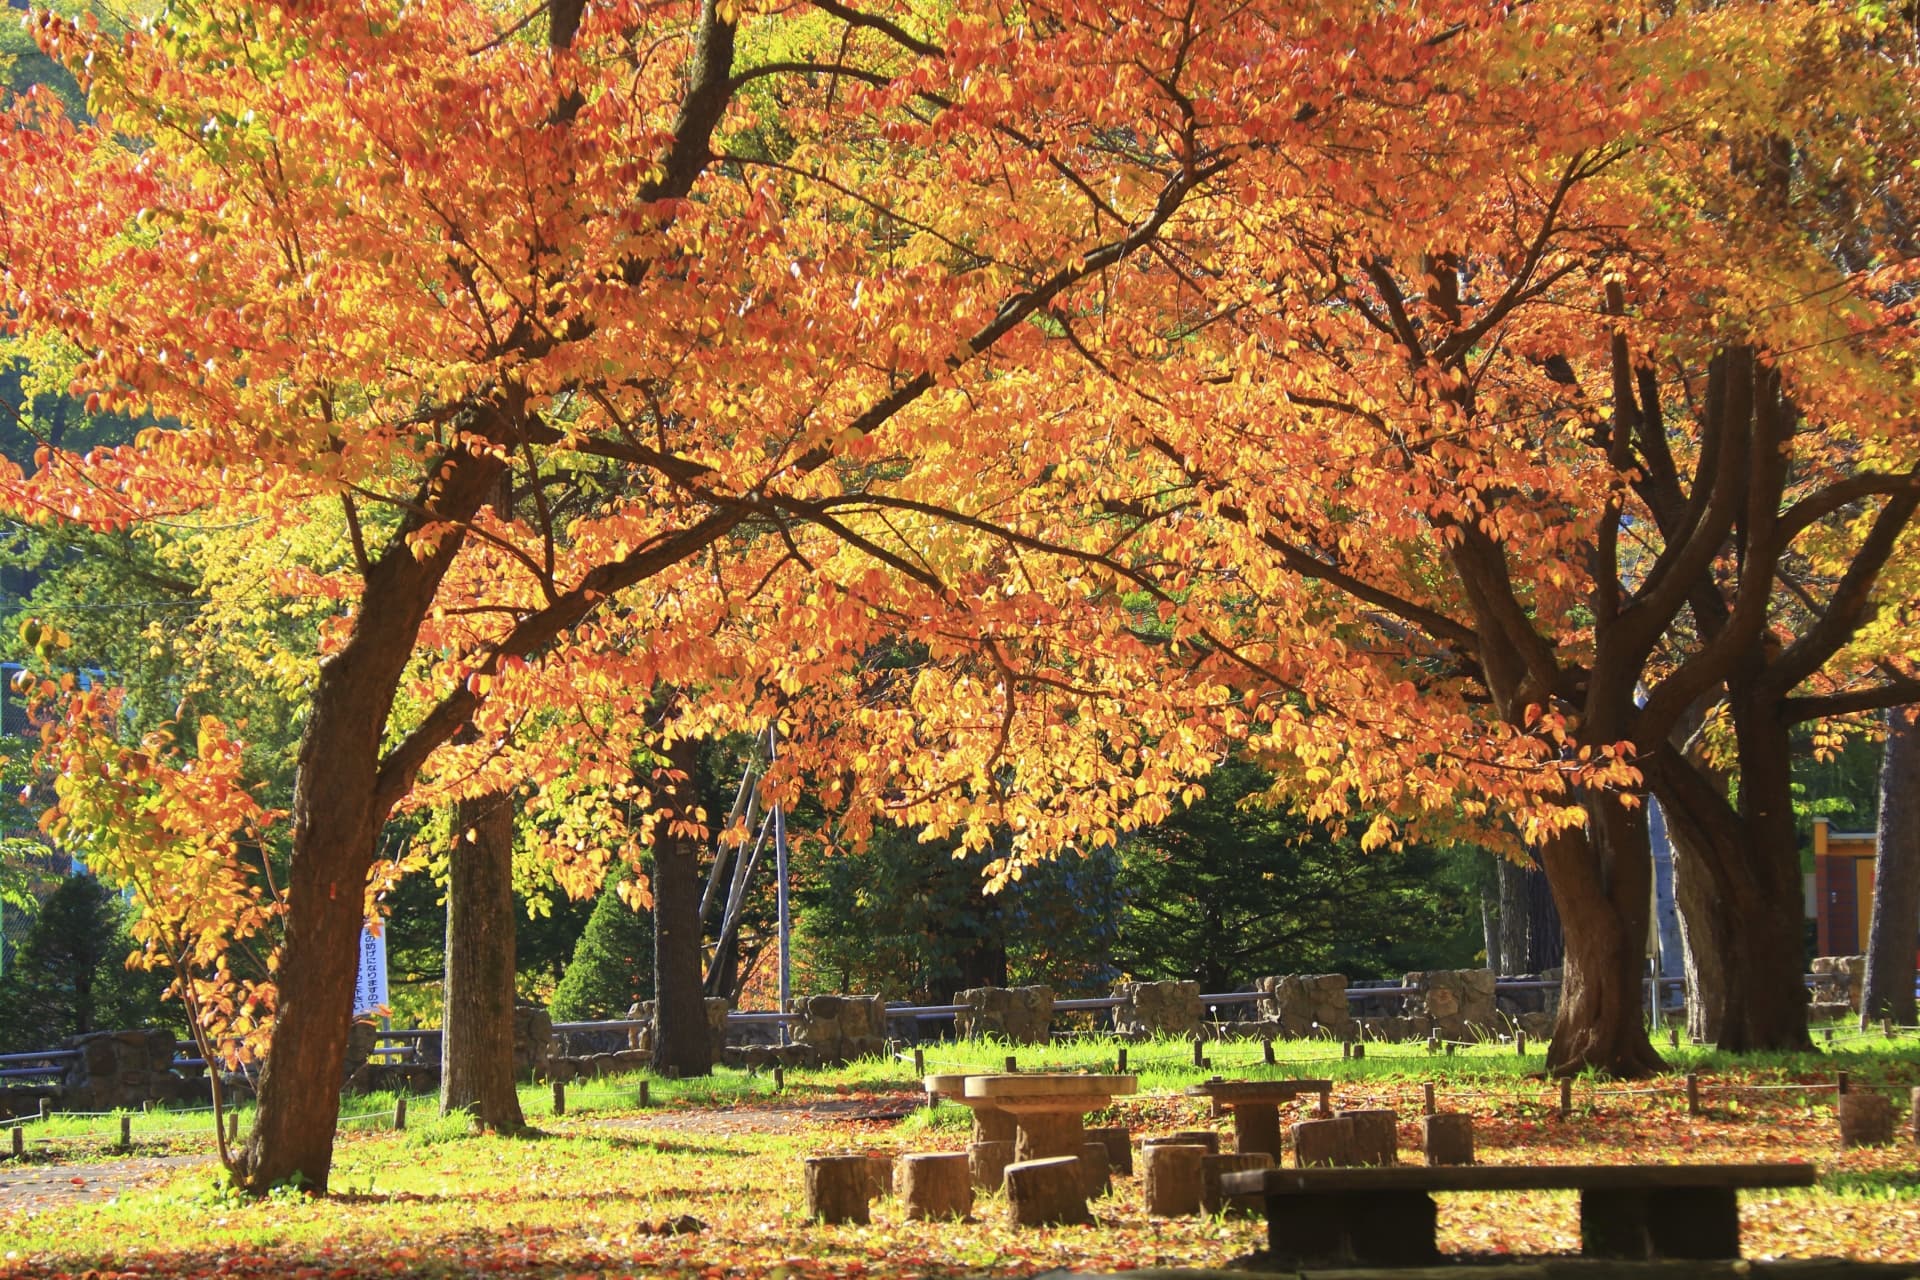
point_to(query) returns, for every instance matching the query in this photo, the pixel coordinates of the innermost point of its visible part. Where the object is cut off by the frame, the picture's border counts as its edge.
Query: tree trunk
(476, 1062)
(1895, 931)
(1516, 917)
(1701, 930)
(338, 811)
(1602, 880)
(680, 1040)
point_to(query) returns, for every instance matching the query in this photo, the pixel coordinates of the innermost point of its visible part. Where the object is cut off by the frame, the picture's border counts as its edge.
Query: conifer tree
(612, 965)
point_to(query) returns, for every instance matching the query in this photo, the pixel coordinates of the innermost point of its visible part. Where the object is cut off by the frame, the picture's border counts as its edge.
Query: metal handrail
(48, 1055)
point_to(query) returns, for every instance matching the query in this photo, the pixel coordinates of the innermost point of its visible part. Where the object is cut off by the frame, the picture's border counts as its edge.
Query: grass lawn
(603, 1189)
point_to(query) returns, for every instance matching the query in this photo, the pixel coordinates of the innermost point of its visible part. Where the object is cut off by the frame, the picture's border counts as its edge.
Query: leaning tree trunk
(1895, 931)
(680, 1042)
(338, 811)
(1602, 881)
(476, 1060)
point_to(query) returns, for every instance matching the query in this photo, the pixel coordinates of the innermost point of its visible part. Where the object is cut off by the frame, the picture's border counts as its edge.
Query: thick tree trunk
(1602, 883)
(476, 1063)
(1516, 917)
(680, 1039)
(338, 812)
(1895, 931)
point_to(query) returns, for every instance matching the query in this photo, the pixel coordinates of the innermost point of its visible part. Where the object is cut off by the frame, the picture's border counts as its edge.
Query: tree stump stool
(1213, 1200)
(1866, 1119)
(988, 1162)
(1098, 1170)
(935, 1185)
(1208, 1138)
(1323, 1142)
(838, 1188)
(880, 1169)
(1173, 1178)
(1376, 1137)
(1119, 1143)
(1447, 1138)
(1047, 1193)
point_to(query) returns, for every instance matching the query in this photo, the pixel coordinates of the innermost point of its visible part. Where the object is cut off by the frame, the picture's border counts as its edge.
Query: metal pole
(780, 873)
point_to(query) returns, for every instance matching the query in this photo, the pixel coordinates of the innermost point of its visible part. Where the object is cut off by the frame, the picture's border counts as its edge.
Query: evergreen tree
(71, 976)
(613, 964)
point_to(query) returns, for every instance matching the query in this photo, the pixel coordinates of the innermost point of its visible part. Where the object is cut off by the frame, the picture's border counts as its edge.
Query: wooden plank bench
(1385, 1216)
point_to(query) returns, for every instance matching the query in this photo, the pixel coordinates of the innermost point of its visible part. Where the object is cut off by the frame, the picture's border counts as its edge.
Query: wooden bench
(1385, 1216)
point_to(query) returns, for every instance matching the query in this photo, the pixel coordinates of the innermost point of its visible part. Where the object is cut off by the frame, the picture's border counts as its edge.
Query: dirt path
(31, 1187)
(778, 1116)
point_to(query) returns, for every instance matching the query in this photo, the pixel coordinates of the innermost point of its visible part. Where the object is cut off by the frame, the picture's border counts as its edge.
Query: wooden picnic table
(990, 1123)
(1048, 1109)
(1256, 1108)
(1385, 1216)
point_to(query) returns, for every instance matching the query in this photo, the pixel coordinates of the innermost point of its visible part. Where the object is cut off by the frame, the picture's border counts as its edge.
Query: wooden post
(1266, 1051)
(1123, 1059)
(400, 1114)
(1449, 1048)
(1520, 1043)
(1693, 1094)
(1433, 1044)
(1886, 1027)
(1199, 1052)
(126, 1131)
(1012, 1064)
(1840, 1082)
(646, 1090)
(46, 1110)
(779, 1077)
(559, 1097)
(1359, 1050)
(919, 1061)
(233, 1128)
(19, 1142)
(1426, 1099)
(1346, 1048)
(1673, 1037)
(1566, 1097)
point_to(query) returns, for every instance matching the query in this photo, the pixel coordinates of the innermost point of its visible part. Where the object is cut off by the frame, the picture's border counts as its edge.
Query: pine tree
(70, 976)
(613, 964)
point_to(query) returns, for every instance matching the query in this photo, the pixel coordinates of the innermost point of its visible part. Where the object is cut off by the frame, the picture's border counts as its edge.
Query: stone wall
(838, 1029)
(1021, 1015)
(1456, 1004)
(1158, 1008)
(532, 1041)
(1307, 1004)
(1838, 980)
(120, 1069)
(717, 1010)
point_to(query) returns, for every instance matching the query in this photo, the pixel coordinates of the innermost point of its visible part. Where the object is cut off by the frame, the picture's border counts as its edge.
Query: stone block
(1376, 1137)
(1158, 1008)
(935, 1185)
(1097, 1168)
(1447, 1138)
(838, 1188)
(1051, 1192)
(1019, 1015)
(1307, 1004)
(1866, 1119)
(1839, 980)
(988, 1163)
(1172, 1178)
(1323, 1142)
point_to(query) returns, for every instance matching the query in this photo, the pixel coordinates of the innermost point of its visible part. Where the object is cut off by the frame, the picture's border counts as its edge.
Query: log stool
(838, 1188)
(935, 1185)
(1119, 1148)
(1447, 1138)
(1376, 1137)
(1866, 1119)
(988, 1162)
(1207, 1138)
(1320, 1142)
(1044, 1193)
(1099, 1174)
(1213, 1200)
(1173, 1178)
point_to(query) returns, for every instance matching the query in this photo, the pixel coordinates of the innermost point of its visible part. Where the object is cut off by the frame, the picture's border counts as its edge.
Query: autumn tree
(706, 274)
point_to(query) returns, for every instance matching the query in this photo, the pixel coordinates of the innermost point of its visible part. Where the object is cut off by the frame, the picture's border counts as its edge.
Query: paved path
(29, 1186)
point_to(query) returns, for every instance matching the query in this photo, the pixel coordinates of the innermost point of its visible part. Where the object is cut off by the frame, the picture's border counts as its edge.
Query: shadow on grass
(1873, 1183)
